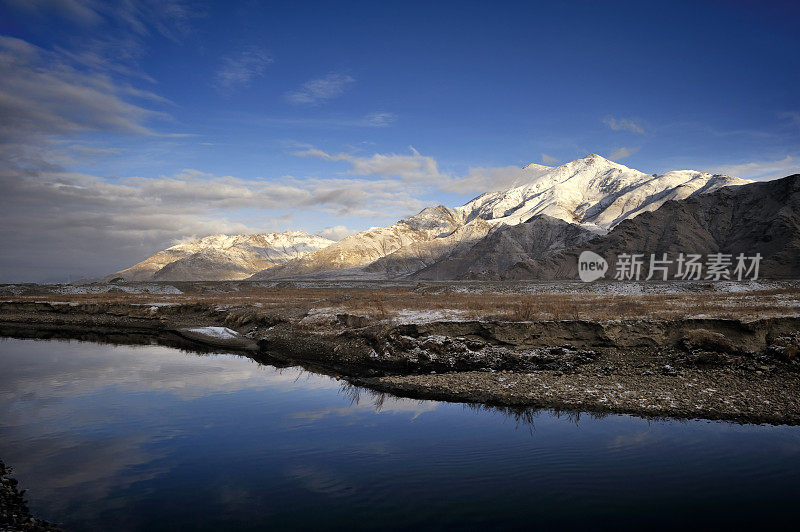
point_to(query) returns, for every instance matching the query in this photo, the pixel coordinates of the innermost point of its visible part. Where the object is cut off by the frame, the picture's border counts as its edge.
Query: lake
(120, 437)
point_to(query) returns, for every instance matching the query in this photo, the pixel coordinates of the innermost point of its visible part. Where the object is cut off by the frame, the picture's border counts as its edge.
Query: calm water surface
(151, 438)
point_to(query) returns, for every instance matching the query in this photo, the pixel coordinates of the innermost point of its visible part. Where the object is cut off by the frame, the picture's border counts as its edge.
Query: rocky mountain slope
(761, 217)
(223, 257)
(494, 255)
(423, 254)
(592, 192)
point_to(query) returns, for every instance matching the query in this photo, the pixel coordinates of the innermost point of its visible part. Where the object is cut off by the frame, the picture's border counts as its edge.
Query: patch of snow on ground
(745, 286)
(12, 289)
(423, 316)
(216, 332)
(328, 312)
(321, 316)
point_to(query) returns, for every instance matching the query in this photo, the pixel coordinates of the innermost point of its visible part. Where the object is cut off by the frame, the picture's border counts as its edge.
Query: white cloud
(546, 159)
(622, 153)
(314, 152)
(760, 169)
(411, 168)
(321, 89)
(239, 69)
(380, 119)
(337, 232)
(623, 124)
(479, 180)
(414, 167)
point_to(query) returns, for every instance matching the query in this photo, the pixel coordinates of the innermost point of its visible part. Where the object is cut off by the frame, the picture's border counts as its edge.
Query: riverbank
(661, 363)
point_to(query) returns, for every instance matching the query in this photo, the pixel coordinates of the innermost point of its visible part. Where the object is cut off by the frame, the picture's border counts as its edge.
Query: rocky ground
(708, 365)
(14, 513)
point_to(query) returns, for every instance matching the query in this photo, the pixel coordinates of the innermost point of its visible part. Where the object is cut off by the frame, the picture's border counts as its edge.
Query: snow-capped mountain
(593, 192)
(758, 218)
(223, 257)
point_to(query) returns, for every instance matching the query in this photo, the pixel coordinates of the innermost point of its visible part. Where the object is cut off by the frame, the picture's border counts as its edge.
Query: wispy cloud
(47, 106)
(239, 69)
(321, 89)
(42, 95)
(380, 119)
(372, 120)
(128, 22)
(623, 124)
(760, 169)
(170, 18)
(546, 159)
(414, 167)
(621, 153)
(81, 12)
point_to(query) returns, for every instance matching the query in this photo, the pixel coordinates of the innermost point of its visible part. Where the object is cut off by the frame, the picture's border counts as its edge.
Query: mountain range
(529, 231)
(222, 257)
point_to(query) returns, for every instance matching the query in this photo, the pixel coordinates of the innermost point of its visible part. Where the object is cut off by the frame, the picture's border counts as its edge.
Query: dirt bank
(715, 368)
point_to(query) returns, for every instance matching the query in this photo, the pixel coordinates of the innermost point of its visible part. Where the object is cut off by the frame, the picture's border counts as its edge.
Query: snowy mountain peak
(535, 166)
(591, 159)
(591, 191)
(594, 163)
(595, 157)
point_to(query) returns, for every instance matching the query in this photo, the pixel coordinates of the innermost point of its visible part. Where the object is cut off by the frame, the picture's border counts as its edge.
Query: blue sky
(130, 125)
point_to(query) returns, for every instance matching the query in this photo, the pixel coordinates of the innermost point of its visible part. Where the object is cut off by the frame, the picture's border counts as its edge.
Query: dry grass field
(438, 302)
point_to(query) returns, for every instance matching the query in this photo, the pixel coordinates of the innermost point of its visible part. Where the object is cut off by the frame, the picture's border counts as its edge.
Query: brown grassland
(384, 302)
